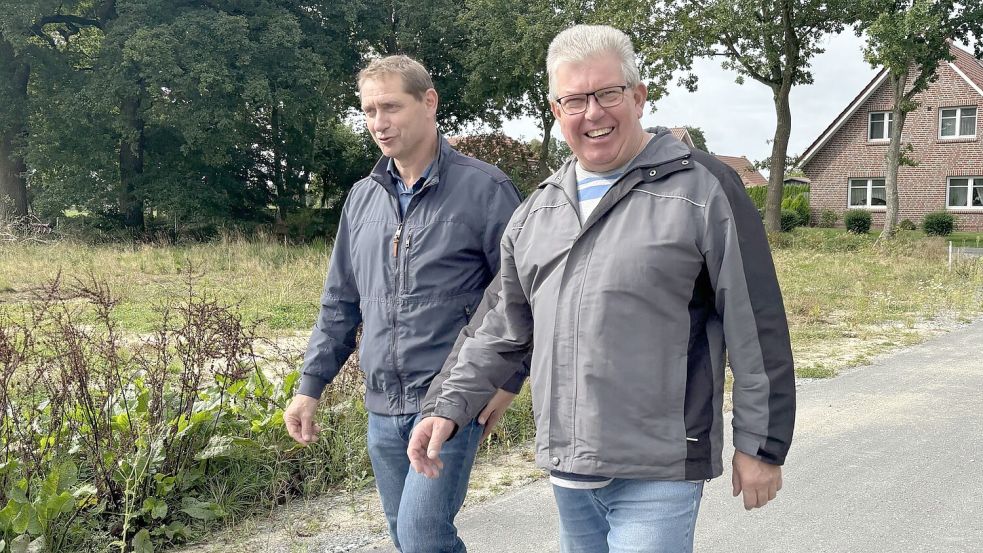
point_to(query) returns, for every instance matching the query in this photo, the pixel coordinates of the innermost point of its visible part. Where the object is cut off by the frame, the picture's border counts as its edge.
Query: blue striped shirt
(591, 187)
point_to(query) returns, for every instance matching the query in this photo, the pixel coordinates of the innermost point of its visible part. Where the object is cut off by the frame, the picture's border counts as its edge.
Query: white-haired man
(631, 269)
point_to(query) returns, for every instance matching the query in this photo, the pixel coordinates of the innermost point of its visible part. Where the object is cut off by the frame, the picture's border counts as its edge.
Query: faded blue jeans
(420, 512)
(629, 516)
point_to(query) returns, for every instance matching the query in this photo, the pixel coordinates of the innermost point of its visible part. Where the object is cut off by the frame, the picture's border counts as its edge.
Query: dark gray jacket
(630, 314)
(412, 281)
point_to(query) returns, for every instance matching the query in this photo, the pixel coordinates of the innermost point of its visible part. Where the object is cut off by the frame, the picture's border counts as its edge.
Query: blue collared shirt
(406, 193)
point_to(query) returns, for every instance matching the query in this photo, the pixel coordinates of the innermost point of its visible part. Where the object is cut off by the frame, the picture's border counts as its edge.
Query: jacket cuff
(514, 384)
(752, 445)
(452, 411)
(311, 385)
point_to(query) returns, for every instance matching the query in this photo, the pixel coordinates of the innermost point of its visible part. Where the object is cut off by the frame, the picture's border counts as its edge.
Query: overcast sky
(740, 119)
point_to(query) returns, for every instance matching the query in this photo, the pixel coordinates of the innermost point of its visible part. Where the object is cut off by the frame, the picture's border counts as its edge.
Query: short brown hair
(416, 79)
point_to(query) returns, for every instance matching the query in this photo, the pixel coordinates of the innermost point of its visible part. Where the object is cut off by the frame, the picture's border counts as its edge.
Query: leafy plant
(857, 221)
(939, 223)
(828, 218)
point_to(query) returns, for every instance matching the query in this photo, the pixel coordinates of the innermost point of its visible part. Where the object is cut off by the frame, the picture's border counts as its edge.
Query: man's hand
(760, 481)
(428, 437)
(299, 419)
(492, 413)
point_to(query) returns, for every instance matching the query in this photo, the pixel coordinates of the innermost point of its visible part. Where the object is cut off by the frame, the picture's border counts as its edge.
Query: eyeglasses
(606, 97)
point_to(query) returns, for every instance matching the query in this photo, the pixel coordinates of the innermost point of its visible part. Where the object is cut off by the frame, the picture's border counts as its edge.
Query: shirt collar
(394, 172)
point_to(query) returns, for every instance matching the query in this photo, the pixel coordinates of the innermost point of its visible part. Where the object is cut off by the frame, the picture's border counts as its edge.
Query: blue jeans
(629, 516)
(420, 512)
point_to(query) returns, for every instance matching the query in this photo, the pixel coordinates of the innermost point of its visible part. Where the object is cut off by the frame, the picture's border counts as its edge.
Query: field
(178, 360)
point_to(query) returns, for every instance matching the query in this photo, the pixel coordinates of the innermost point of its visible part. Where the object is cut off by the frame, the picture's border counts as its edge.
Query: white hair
(582, 42)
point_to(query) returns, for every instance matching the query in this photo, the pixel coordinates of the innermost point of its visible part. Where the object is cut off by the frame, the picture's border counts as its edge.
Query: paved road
(886, 458)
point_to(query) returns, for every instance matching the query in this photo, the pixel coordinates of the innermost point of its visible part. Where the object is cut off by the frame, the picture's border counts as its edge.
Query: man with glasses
(630, 270)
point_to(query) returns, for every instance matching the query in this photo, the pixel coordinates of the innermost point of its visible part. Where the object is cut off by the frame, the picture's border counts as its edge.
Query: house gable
(843, 152)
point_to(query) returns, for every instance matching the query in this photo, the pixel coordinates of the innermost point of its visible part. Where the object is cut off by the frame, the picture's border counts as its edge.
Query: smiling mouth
(597, 133)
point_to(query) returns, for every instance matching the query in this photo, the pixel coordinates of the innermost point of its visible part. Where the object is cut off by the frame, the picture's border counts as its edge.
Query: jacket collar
(662, 150)
(381, 175)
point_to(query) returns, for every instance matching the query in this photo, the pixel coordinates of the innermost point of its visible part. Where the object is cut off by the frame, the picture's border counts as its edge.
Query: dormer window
(957, 122)
(879, 126)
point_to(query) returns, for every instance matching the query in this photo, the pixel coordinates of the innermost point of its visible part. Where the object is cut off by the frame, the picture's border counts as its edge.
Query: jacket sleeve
(506, 199)
(333, 337)
(749, 302)
(486, 360)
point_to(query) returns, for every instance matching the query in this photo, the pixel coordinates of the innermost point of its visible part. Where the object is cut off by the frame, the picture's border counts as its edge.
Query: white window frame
(870, 193)
(888, 122)
(973, 182)
(959, 118)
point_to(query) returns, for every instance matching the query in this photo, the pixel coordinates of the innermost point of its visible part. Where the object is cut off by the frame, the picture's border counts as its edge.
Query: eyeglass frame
(587, 95)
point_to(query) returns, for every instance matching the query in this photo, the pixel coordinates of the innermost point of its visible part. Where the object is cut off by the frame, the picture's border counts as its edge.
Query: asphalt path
(886, 458)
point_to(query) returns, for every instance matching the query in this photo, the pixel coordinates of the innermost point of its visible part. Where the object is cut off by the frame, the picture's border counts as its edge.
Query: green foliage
(828, 218)
(857, 221)
(794, 197)
(512, 156)
(939, 223)
(699, 139)
(798, 202)
(140, 441)
(907, 224)
(790, 220)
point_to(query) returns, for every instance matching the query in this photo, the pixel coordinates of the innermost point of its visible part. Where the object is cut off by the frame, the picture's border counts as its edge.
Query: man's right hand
(299, 419)
(428, 437)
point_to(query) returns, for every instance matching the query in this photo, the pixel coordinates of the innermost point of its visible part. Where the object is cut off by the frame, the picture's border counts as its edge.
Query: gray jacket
(411, 281)
(630, 314)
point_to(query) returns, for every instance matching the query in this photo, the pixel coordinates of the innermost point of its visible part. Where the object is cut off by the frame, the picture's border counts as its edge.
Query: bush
(148, 442)
(798, 203)
(939, 223)
(828, 218)
(790, 220)
(906, 224)
(857, 221)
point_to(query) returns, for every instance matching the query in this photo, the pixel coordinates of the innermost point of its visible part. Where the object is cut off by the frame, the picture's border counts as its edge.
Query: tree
(909, 38)
(699, 139)
(507, 59)
(770, 41)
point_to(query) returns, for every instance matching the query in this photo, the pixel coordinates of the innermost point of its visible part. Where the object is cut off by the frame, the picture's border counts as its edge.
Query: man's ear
(639, 95)
(555, 108)
(431, 100)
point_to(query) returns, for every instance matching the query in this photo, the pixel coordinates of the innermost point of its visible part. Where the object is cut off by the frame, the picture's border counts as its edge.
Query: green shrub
(798, 203)
(150, 443)
(790, 220)
(828, 218)
(758, 195)
(906, 224)
(939, 223)
(857, 221)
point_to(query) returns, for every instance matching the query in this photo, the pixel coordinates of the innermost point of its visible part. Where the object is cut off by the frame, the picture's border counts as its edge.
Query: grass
(846, 297)
(268, 281)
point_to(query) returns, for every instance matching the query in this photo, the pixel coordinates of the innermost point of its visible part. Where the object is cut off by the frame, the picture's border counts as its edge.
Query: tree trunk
(279, 184)
(131, 164)
(13, 169)
(546, 120)
(893, 156)
(779, 152)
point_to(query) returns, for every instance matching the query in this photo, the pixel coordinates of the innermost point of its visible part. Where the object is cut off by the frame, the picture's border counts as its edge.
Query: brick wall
(921, 189)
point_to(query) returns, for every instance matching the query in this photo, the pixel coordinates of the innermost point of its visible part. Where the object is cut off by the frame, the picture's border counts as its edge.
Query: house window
(868, 193)
(879, 127)
(965, 192)
(957, 122)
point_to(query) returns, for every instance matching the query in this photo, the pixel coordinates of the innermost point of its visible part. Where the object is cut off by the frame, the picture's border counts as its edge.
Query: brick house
(846, 164)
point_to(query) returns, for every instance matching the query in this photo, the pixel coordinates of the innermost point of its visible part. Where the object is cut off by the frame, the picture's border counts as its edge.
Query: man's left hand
(492, 413)
(758, 480)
